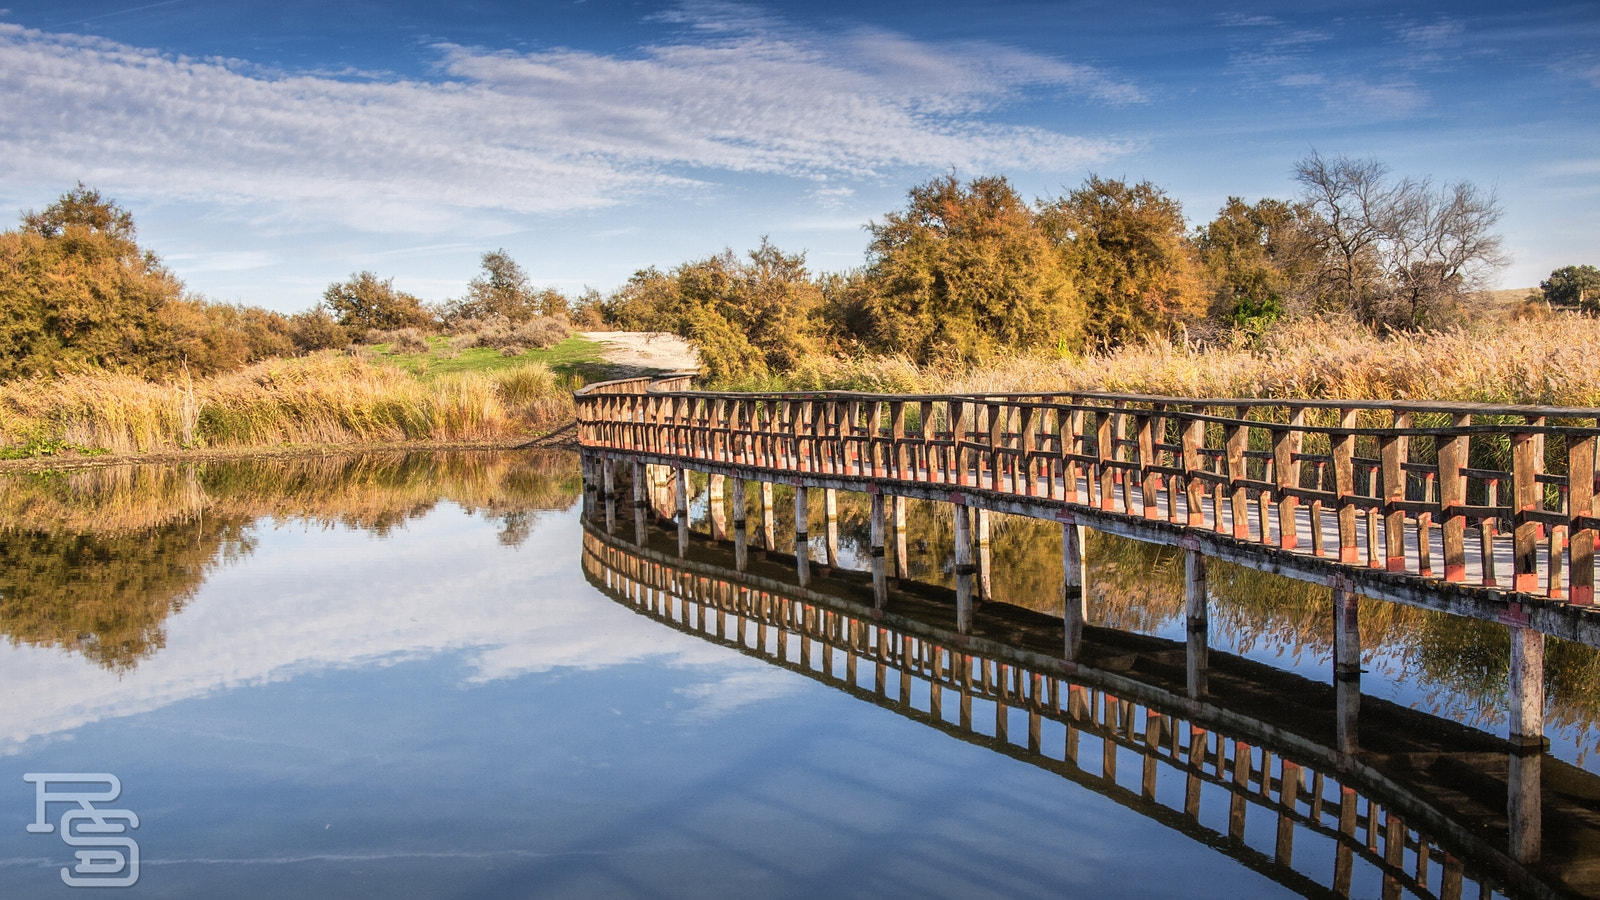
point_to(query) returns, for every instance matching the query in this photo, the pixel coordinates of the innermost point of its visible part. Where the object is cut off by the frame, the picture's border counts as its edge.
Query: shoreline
(563, 438)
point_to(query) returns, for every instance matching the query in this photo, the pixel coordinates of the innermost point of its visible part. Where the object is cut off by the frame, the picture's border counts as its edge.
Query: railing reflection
(1343, 822)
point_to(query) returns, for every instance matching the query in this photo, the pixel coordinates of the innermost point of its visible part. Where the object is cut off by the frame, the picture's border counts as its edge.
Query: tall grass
(1509, 362)
(316, 400)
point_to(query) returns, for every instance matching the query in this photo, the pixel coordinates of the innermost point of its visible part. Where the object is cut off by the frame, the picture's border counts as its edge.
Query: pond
(404, 675)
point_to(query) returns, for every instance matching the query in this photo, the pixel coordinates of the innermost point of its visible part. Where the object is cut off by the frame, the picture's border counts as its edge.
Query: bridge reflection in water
(1270, 768)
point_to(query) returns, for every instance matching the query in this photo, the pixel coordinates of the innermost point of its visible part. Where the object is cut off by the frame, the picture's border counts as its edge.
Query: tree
(965, 272)
(1576, 287)
(1258, 259)
(77, 292)
(747, 317)
(1398, 252)
(1127, 249)
(503, 291)
(367, 303)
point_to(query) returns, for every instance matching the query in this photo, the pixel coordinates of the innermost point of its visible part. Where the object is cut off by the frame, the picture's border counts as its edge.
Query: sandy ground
(646, 349)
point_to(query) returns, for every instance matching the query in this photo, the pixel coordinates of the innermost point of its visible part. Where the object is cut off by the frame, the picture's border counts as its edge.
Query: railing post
(897, 436)
(1286, 446)
(958, 435)
(1104, 450)
(1029, 445)
(1071, 424)
(1238, 442)
(1194, 435)
(1581, 514)
(1392, 458)
(925, 412)
(880, 583)
(1344, 485)
(996, 439)
(1149, 482)
(1453, 456)
(1525, 492)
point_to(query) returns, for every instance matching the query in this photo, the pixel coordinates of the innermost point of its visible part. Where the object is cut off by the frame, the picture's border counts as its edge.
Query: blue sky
(267, 149)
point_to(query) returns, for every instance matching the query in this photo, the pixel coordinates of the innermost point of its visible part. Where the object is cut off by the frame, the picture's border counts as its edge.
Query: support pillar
(1525, 804)
(681, 488)
(902, 566)
(608, 469)
(964, 568)
(880, 579)
(1197, 618)
(715, 491)
(1526, 683)
(768, 542)
(830, 509)
(1346, 667)
(802, 549)
(741, 541)
(1074, 609)
(985, 575)
(640, 504)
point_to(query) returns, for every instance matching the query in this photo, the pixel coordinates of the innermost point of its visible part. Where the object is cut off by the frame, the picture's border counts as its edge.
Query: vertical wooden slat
(1525, 492)
(1104, 451)
(1344, 480)
(1148, 486)
(1194, 432)
(1238, 442)
(1286, 446)
(1393, 457)
(1581, 513)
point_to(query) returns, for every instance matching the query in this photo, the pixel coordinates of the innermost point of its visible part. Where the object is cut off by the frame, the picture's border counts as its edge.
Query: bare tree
(1398, 252)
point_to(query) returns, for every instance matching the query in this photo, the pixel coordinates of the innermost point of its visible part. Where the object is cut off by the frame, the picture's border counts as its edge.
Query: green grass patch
(575, 359)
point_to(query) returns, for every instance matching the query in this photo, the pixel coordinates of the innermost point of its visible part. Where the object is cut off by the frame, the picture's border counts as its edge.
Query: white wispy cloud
(527, 132)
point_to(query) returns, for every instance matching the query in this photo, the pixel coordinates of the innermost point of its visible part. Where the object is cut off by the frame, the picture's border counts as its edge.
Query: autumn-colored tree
(1126, 249)
(964, 272)
(77, 292)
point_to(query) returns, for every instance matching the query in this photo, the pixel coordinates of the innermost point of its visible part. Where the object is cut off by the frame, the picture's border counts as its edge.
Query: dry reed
(322, 399)
(1515, 362)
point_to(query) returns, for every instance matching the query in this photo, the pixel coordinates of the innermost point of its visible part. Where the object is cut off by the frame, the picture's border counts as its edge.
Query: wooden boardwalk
(1479, 510)
(1386, 815)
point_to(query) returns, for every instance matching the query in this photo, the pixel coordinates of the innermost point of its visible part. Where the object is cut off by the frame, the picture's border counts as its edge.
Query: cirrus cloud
(526, 132)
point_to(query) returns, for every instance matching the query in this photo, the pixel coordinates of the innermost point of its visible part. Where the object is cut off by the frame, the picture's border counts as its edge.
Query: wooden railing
(1497, 496)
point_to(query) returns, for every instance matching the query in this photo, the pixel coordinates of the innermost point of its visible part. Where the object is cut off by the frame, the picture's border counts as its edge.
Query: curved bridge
(1474, 509)
(1418, 805)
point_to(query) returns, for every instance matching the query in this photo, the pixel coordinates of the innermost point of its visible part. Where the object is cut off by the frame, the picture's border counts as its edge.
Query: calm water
(389, 676)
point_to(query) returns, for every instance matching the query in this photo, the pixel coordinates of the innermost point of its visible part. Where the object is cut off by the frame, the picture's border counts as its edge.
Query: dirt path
(646, 350)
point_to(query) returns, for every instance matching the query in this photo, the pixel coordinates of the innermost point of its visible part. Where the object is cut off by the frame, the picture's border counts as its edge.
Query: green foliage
(503, 291)
(1576, 287)
(1126, 248)
(745, 316)
(1259, 260)
(963, 272)
(366, 303)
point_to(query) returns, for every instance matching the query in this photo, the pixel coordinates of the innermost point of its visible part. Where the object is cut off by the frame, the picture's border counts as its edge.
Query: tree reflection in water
(95, 561)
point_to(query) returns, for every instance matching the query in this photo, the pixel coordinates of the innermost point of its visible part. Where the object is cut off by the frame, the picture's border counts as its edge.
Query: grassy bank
(323, 399)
